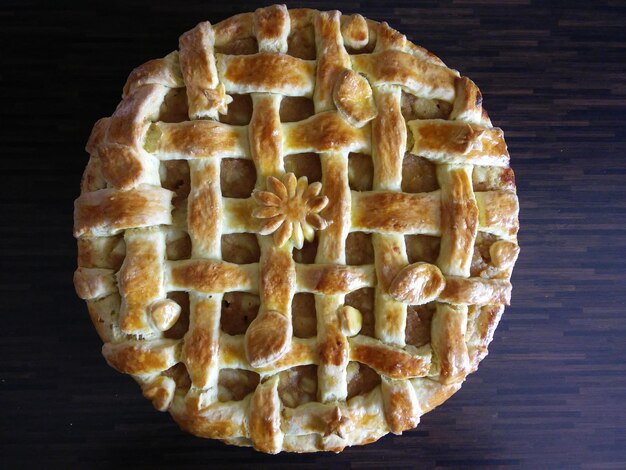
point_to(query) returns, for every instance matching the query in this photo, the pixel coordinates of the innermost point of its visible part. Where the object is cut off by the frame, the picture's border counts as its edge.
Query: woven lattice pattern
(297, 231)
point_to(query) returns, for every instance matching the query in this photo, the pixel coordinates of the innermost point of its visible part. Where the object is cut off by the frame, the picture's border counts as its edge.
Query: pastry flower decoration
(290, 209)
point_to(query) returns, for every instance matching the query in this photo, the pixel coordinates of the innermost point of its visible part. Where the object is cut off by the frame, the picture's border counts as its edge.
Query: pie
(297, 231)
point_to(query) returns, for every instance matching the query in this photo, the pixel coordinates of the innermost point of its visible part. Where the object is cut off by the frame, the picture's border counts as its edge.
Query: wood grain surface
(552, 392)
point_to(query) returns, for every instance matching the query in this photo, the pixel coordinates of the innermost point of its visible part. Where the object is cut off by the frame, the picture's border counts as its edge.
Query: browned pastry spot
(268, 337)
(139, 357)
(353, 97)
(455, 141)
(208, 276)
(196, 139)
(106, 211)
(478, 291)
(400, 405)
(265, 416)
(396, 67)
(333, 349)
(397, 212)
(325, 132)
(264, 72)
(417, 284)
(354, 31)
(392, 362)
(331, 279)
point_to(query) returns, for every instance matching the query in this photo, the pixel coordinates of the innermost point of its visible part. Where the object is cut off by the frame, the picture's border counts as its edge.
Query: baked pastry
(297, 231)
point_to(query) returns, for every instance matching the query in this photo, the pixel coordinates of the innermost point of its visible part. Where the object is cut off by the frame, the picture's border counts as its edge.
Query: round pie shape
(297, 231)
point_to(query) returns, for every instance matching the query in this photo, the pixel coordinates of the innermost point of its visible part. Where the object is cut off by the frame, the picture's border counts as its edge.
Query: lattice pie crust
(297, 231)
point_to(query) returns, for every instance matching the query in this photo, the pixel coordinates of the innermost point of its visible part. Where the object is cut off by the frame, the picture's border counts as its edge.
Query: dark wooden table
(552, 392)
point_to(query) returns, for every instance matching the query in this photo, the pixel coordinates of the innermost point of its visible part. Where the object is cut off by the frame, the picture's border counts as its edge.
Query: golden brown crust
(140, 279)
(141, 357)
(332, 279)
(354, 31)
(324, 132)
(210, 276)
(165, 71)
(400, 405)
(448, 342)
(417, 284)
(267, 338)
(200, 347)
(334, 60)
(198, 139)
(399, 68)
(353, 98)
(93, 283)
(295, 148)
(266, 73)
(265, 135)
(498, 211)
(396, 212)
(459, 219)
(107, 211)
(388, 141)
(389, 361)
(458, 142)
(265, 419)
(271, 27)
(476, 291)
